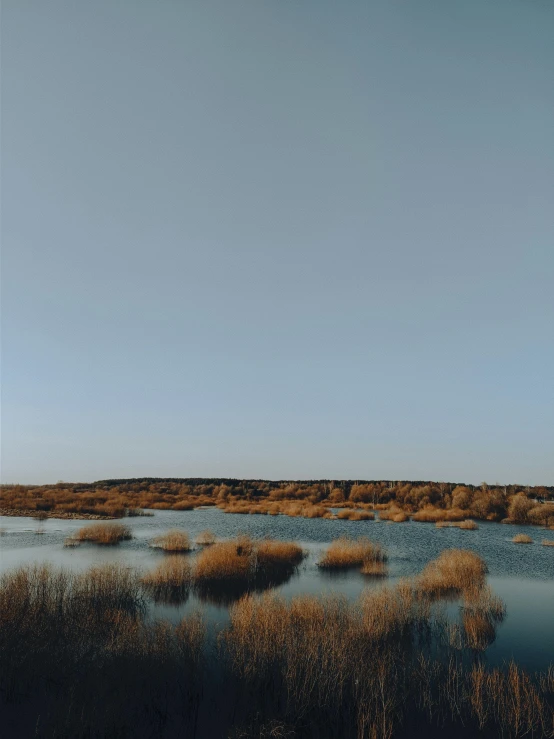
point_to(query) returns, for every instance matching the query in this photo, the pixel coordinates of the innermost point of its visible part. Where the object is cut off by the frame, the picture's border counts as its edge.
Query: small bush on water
(454, 571)
(344, 553)
(104, 533)
(173, 541)
(522, 539)
(205, 538)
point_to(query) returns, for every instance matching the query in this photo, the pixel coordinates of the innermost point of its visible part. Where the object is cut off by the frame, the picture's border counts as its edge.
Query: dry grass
(205, 538)
(393, 515)
(170, 581)
(548, 542)
(83, 646)
(354, 515)
(104, 533)
(522, 539)
(466, 525)
(344, 553)
(226, 560)
(173, 541)
(271, 553)
(454, 571)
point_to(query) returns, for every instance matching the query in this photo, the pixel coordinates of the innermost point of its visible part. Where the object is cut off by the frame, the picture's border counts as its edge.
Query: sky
(284, 239)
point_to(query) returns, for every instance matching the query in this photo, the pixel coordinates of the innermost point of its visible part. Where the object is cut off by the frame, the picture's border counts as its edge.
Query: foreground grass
(79, 657)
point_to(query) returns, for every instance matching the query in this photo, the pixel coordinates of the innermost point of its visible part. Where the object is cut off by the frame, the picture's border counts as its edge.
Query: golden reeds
(104, 533)
(344, 553)
(548, 542)
(173, 541)
(205, 538)
(522, 539)
(170, 580)
(454, 570)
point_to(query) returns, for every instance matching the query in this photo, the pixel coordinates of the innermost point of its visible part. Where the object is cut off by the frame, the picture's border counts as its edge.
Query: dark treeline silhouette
(397, 501)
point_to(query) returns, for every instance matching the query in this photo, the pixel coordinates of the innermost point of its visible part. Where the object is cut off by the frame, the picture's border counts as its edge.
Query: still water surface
(522, 575)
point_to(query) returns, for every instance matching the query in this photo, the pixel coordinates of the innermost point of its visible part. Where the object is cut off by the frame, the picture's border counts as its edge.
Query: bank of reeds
(79, 658)
(548, 542)
(344, 553)
(355, 515)
(205, 538)
(466, 525)
(103, 533)
(454, 571)
(170, 581)
(522, 539)
(173, 541)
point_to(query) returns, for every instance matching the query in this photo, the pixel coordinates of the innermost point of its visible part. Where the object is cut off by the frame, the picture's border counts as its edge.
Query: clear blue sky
(278, 238)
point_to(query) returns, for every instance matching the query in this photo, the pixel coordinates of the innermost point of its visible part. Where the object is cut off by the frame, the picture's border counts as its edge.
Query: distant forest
(396, 501)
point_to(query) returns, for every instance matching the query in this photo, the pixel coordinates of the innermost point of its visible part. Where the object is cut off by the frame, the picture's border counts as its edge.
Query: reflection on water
(522, 576)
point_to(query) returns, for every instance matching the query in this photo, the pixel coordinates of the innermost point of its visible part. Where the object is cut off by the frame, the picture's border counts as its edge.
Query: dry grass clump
(374, 568)
(205, 538)
(548, 542)
(454, 571)
(467, 525)
(522, 539)
(170, 581)
(271, 553)
(354, 515)
(104, 533)
(393, 515)
(226, 560)
(173, 541)
(344, 553)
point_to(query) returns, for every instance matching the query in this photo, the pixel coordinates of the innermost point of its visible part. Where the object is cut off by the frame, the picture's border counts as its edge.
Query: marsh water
(522, 575)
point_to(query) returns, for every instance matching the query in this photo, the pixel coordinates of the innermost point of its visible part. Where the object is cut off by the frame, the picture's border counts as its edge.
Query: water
(522, 575)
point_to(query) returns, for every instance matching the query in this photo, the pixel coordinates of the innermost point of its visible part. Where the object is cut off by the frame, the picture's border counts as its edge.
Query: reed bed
(454, 571)
(522, 539)
(355, 515)
(548, 542)
(205, 538)
(104, 533)
(466, 525)
(174, 541)
(170, 581)
(79, 657)
(226, 560)
(344, 553)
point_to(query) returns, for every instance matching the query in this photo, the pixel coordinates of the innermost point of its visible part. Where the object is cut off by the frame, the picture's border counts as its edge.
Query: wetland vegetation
(81, 655)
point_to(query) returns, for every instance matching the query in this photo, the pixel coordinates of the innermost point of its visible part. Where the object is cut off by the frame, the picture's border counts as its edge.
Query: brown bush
(173, 541)
(454, 571)
(522, 539)
(104, 533)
